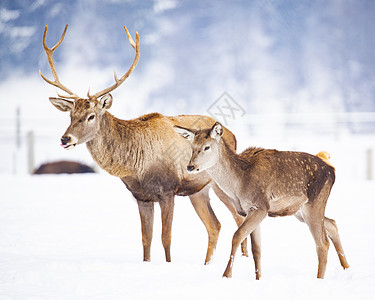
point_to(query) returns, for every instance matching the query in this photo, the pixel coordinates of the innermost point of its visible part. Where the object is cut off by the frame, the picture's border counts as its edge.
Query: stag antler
(118, 82)
(49, 52)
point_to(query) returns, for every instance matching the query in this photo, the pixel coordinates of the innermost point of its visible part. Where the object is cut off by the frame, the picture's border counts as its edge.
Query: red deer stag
(142, 153)
(265, 182)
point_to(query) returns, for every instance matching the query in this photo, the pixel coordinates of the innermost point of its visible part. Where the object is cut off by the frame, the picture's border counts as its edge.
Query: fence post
(30, 152)
(18, 127)
(369, 164)
(17, 141)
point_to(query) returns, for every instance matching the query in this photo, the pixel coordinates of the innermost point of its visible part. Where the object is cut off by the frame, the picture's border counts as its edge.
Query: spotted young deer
(264, 182)
(145, 153)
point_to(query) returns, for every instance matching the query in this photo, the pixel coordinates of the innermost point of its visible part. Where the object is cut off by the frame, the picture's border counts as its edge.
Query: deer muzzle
(192, 169)
(68, 142)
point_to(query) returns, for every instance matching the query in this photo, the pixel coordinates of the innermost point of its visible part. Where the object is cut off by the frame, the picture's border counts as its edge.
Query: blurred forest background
(302, 73)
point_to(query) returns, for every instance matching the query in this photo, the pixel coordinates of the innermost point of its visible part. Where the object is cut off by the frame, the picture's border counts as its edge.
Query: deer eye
(207, 148)
(91, 118)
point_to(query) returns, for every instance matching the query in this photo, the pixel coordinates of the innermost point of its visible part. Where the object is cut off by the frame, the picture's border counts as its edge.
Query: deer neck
(113, 147)
(228, 172)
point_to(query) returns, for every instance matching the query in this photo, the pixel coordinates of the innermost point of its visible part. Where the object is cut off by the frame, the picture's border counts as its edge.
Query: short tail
(325, 156)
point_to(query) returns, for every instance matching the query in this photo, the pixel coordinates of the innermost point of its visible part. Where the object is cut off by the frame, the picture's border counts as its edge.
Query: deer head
(205, 146)
(85, 113)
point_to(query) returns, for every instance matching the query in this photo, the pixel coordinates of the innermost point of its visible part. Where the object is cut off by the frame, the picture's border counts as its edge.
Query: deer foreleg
(146, 212)
(251, 222)
(167, 206)
(256, 250)
(236, 216)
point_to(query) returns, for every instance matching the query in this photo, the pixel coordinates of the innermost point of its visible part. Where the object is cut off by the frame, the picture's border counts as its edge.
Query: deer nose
(190, 168)
(65, 140)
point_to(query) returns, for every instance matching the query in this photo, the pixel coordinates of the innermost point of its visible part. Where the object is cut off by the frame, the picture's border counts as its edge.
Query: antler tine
(49, 52)
(118, 82)
(130, 37)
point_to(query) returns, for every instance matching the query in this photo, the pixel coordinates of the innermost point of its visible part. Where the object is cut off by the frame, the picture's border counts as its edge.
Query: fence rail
(20, 153)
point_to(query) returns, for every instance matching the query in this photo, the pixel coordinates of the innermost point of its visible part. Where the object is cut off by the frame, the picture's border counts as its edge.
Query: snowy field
(78, 237)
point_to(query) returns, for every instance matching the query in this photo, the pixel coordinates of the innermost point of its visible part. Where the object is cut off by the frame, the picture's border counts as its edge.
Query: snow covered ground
(78, 237)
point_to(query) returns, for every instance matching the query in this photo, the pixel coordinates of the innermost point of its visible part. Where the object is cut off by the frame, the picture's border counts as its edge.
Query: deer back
(288, 172)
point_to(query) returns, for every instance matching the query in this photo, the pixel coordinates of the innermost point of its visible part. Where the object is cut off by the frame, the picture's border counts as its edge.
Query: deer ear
(106, 101)
(216, 131)
(62, 104)
(185, 133)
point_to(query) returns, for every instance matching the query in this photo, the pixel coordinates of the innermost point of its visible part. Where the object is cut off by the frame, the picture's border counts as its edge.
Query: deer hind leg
(250, 224)
(333, 234)
(237, 218)
(201, 204)
(167, 207)
(146, 212)
(313, 215)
